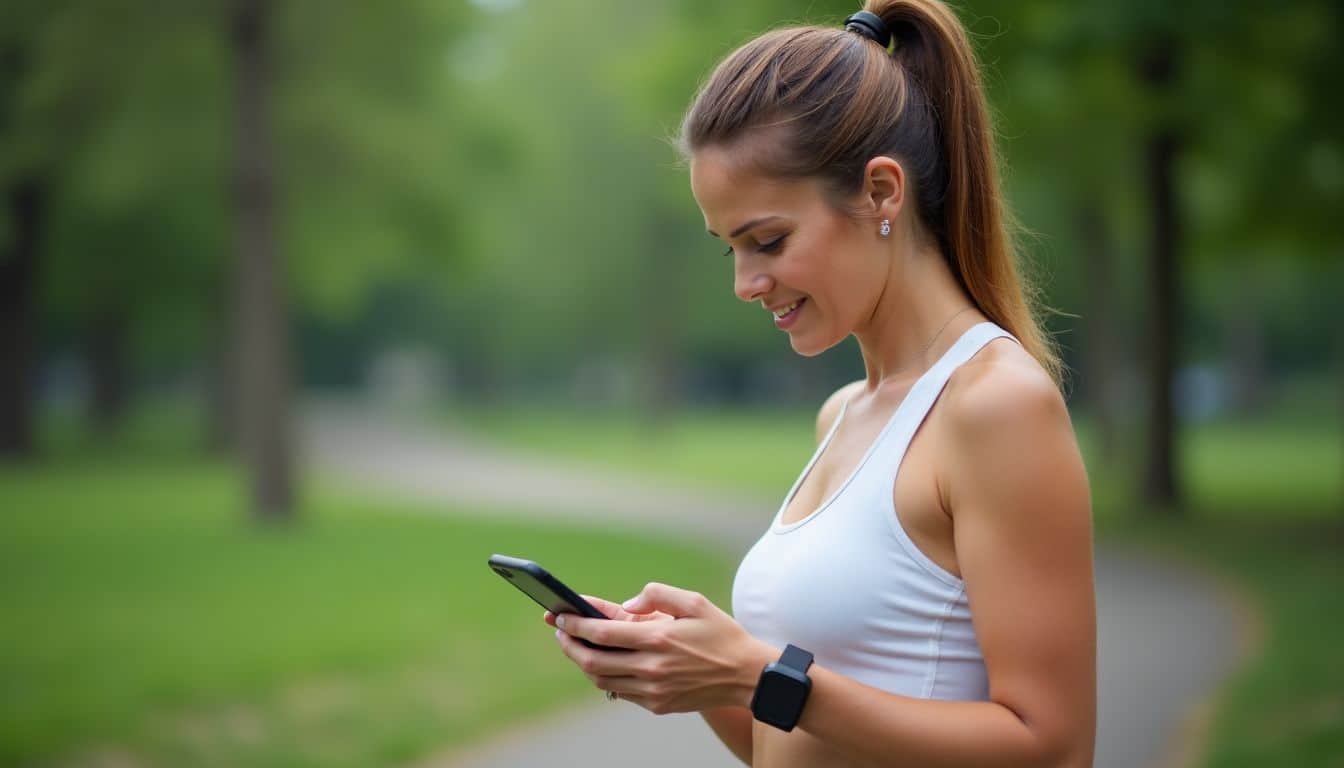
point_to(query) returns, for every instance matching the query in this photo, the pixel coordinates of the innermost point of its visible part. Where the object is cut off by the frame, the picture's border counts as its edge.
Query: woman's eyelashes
(771, 247)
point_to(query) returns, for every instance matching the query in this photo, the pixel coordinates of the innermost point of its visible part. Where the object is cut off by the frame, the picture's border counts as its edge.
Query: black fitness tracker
(783, 689)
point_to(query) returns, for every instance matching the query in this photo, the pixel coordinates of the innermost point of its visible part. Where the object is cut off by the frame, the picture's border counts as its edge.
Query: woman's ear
(884, 187)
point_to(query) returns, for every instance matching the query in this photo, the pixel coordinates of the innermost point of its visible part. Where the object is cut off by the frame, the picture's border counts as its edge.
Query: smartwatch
(783, 689)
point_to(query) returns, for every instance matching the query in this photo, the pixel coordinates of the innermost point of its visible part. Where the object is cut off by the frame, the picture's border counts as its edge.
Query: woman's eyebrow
(745, 227)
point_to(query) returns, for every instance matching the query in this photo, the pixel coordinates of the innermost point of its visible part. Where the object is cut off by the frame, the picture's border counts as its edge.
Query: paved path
(1167, 634)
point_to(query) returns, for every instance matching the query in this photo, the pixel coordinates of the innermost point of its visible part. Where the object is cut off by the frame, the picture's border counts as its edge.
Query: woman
(942, 614)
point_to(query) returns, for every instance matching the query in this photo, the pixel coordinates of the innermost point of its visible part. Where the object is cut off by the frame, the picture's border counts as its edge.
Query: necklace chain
(920, 356)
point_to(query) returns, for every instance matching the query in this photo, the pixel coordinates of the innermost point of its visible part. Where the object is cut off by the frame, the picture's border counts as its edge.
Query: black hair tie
(871, 26)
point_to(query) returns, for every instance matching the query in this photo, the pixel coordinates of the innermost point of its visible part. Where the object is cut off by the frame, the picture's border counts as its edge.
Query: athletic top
(848, 584)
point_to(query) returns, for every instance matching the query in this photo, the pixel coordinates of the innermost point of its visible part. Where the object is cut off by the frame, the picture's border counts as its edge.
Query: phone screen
(546, 590)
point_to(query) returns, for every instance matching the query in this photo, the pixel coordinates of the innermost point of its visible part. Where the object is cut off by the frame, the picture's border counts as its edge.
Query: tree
(262, 326)
(24, 200)
(1159, 70)
(89, 131)
(1201, 98)
(24, 181)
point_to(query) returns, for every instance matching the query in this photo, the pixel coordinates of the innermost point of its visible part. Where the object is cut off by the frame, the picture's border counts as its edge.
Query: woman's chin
(807, 344)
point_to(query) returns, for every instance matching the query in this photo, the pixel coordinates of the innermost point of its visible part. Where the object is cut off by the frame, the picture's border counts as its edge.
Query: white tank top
(848, 584)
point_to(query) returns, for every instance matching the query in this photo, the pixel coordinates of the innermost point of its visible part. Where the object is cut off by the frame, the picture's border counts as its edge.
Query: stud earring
(885, 229)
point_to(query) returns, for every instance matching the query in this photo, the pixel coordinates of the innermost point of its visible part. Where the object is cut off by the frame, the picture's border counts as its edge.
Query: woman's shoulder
(1005, 430)
(1002, 387)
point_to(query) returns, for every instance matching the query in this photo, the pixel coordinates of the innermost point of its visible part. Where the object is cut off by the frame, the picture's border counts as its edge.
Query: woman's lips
(787, 321)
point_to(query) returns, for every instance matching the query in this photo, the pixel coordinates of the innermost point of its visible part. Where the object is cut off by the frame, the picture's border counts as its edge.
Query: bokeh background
(240, 238)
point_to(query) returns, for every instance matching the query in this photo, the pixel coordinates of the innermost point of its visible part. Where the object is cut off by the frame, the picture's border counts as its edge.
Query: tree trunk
(1101, 358)
(1160, 488)
(660, 393)
(261, 323)
(18, 326)
(107, 368)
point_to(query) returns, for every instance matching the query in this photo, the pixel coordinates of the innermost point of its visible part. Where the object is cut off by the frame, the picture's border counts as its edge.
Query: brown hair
(837, 99)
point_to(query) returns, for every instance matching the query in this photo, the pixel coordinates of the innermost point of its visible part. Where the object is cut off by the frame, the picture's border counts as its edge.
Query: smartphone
(549, 592)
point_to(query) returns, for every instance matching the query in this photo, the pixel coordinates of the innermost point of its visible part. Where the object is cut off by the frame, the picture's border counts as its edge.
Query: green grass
(1284, 467)
(147, 620)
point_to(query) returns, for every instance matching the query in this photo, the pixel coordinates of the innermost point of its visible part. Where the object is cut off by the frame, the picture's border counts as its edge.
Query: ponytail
(973, 226)
(843, 100)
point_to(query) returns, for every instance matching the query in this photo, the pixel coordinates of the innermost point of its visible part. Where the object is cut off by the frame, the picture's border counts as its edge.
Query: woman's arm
(733, 727)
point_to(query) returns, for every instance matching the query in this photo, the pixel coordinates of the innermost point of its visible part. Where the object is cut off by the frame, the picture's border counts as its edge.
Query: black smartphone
(549, 592)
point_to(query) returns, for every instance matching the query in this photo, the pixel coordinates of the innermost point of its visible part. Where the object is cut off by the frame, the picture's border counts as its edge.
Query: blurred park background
(222, 220)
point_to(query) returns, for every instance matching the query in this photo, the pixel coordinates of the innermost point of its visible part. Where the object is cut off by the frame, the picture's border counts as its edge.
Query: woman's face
(789, 244)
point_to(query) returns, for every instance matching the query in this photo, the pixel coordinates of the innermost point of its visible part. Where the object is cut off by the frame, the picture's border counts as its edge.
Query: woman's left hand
(701, 659)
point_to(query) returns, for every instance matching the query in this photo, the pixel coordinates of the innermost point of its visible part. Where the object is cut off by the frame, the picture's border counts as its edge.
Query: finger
(627, 696)
(616, 634)
(612, 610)
(593, 661)
(628, 686)
(615, 611)
(671, 600)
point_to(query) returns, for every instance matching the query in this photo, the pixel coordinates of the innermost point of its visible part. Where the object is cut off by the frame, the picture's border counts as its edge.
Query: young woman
(924, 596)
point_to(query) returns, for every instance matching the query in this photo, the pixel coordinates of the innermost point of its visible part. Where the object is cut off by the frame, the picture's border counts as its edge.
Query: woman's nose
(749, 283)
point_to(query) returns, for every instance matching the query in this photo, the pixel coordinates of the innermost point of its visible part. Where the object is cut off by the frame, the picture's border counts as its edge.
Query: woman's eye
(771, 247)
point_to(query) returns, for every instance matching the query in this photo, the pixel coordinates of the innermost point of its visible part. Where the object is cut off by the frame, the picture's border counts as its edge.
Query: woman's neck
(919, 299)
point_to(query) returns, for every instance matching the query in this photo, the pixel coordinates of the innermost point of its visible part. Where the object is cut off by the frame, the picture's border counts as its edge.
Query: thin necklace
(920, 356)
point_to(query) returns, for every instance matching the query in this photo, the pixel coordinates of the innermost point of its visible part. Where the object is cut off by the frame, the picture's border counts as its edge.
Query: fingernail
(560, 621)
(558, 633)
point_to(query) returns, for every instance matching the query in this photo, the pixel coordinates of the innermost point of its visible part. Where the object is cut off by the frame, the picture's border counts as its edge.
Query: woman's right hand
(612, 611)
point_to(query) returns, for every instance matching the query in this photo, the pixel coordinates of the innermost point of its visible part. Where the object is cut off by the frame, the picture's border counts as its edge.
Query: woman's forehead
(728, 191)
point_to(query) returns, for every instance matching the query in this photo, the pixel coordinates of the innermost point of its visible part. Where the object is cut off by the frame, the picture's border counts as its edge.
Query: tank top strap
(919, 401)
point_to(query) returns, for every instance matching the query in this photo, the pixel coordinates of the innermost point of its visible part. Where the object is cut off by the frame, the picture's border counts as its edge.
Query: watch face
(779, 698)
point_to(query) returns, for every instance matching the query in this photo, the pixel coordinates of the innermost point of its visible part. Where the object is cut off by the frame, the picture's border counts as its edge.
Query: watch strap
(796, 658)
